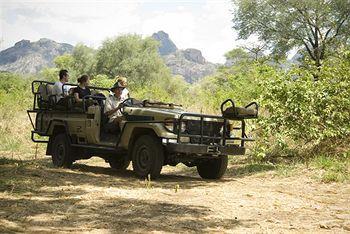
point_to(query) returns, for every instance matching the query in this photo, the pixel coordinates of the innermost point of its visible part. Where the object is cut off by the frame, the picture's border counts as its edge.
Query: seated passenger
(123, 81)
(82, 90)
(113, 105)
(57, 88)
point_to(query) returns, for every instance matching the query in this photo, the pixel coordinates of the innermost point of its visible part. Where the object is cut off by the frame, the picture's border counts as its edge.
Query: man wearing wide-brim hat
(113, 104)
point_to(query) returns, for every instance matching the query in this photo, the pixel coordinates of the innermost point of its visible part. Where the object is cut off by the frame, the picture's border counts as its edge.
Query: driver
(114, 104)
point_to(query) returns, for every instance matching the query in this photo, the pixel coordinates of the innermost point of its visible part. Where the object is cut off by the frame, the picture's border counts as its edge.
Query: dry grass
(15, 130)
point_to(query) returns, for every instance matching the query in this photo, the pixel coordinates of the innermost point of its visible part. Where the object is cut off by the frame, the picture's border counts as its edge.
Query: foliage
(13, 88)
(133, 57)
(84, 60)
(81, 61)
(302, 113)
(102, 81)
(319, 26)
(297, 114)
(64, 61)
(237, 82)
(15, 98)
(238, 55)
(334, 169)
(49, 74)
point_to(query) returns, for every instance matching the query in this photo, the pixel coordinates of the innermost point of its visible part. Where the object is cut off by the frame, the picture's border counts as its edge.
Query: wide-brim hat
(117, 85)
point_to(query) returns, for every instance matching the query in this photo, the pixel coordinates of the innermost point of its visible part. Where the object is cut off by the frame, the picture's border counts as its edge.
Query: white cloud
(205, 25)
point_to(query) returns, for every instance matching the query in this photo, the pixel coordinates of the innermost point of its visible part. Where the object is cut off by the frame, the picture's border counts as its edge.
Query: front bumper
(205, 149)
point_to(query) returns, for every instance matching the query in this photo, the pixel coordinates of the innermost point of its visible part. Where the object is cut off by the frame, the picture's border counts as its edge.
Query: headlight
(172, 125)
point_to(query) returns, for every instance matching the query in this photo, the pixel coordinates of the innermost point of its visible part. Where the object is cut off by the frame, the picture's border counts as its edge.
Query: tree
(84, 60)
(64, 61)
(317, 25)
(256, 50)
(246, 54)
(133, 57)
(236, 56)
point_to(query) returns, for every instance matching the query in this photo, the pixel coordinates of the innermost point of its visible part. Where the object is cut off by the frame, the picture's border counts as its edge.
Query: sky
(201, 24)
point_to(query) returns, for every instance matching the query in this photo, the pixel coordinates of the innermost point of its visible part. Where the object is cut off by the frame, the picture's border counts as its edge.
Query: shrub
(299, 112)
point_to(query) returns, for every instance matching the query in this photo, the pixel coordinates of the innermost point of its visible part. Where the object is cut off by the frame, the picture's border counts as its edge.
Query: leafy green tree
(102, 81)
(238, 55)
(84, 60)
(317, 25)
(64, 61)
(133, 57)
(14, 87)
(49, 74)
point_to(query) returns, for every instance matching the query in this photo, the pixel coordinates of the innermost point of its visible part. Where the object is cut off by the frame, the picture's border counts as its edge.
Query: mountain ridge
(31, 57)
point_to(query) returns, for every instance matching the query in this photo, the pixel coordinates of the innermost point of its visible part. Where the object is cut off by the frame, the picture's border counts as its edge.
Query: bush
(15, 92)
(301, 113)
(15, 99)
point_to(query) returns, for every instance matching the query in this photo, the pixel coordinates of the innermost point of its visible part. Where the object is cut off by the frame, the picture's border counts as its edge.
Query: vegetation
(318, 26)
(333, 169)
(303, 113)
(15, 98)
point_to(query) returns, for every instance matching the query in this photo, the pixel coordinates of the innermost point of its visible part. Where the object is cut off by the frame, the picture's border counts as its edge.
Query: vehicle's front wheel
(213, 168)
(119, 162)
(62, 153)
(147, 156)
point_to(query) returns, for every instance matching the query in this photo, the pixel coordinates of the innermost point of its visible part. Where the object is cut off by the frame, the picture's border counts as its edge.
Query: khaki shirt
(112, 102)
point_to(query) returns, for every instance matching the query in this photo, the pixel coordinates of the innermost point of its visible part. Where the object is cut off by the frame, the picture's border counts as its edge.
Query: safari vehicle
(152, 135)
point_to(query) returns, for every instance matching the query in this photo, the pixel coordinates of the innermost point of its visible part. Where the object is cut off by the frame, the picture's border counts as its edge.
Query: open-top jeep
(153, 134)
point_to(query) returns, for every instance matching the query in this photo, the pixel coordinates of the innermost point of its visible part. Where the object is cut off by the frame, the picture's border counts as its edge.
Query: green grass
(334, 169)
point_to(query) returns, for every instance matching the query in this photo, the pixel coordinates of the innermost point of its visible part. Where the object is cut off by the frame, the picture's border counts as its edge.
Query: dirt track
(94, 198)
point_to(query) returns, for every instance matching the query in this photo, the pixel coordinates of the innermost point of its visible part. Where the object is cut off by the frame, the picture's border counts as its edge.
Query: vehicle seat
(239, 113)
(44, 95)
(233, 112)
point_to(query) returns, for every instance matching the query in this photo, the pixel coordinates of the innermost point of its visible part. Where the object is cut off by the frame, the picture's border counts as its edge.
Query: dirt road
(94, 198)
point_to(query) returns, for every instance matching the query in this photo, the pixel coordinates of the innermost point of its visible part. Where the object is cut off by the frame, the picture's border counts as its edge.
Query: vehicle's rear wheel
(213, 168)
(62, 152)
(147, 156)
(119, 162)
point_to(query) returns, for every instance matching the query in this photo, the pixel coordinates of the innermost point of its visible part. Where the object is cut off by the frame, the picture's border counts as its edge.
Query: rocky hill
(188, 63)
(31, 57)
(167, 46)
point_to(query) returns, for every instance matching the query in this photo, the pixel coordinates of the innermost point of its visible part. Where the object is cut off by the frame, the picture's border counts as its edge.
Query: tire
(62, 152)
(119, 163)
(213, 168)
(147, 156)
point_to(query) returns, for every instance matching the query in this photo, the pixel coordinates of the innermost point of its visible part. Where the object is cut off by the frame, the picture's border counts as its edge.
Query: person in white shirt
(123, 81)
(57, 88)
(114, 104)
